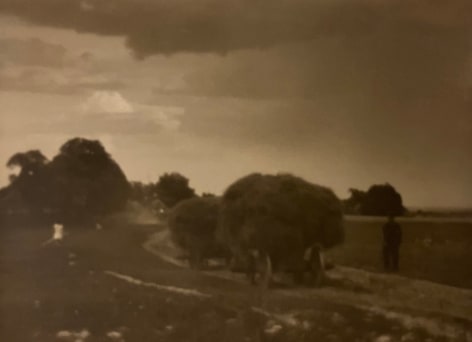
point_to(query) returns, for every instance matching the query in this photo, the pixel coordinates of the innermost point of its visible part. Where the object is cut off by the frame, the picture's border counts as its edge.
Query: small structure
(57, 234)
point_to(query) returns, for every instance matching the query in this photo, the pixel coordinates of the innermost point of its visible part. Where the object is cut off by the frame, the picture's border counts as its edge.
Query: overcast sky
(345, 93)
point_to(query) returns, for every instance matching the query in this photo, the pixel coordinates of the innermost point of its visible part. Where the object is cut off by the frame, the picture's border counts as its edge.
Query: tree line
(82, 183)
(83, 180)
(281, 216)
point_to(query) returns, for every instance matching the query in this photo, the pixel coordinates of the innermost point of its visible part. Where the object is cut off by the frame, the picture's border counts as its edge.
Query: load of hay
(281, 216)
(192, 226)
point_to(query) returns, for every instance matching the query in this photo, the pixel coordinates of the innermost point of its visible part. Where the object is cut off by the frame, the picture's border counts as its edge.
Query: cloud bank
(162, 26)
(35, 65)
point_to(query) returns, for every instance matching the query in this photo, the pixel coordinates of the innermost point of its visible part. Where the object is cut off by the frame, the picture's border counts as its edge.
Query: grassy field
(439, 250)
(51, 293)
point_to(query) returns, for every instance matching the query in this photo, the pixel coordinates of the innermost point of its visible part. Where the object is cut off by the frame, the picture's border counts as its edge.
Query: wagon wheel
(259, 269)
(316, 266)
(265, 271)
(194, 261)
(197, 261)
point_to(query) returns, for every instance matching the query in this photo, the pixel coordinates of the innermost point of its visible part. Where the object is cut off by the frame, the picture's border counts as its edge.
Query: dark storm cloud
(162, 26)
(376, 75)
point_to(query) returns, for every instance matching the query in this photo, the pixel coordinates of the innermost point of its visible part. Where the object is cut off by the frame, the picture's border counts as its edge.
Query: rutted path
(441, 310)
(100, 285)
(172, 289)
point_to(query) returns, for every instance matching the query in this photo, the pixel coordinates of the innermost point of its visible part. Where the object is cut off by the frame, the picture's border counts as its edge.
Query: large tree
(87, 182)
(193, 223)
(281, 216)
(32, 181)
(82, 182)
(382, 200)
(173, 188)
(28, 162)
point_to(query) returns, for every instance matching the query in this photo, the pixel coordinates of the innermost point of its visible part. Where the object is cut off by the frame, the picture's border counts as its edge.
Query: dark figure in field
(392, 238)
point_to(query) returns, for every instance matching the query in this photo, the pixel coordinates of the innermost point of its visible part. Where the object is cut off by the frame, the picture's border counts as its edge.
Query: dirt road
(101, 285)
(440, 310)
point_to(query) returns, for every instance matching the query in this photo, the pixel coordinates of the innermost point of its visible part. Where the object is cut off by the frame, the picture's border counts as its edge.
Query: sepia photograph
(236, 170)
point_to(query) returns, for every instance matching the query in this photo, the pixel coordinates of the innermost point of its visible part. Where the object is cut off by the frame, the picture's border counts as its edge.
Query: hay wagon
(305, 266)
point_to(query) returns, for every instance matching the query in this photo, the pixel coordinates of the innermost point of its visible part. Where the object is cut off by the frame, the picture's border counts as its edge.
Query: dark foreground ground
(89, 289)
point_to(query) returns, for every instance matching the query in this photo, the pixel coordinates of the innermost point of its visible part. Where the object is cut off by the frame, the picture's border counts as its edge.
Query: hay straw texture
(279, 214)
(193, 223)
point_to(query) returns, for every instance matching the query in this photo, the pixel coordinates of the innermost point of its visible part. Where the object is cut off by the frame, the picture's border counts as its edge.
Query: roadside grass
(438, 251)
(64, 288)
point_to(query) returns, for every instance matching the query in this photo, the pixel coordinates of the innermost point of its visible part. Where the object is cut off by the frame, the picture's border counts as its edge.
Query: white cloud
(109, 102)
(120, 114)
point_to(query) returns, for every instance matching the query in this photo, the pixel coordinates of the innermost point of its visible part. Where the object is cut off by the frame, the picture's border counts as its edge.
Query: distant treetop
(173, 188)
(379, 200)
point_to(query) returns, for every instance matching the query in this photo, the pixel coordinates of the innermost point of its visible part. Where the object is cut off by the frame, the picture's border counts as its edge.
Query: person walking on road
(392, 239)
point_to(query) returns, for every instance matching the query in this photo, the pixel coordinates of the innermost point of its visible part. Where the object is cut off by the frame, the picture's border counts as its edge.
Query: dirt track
(413, 303)
(103, 286)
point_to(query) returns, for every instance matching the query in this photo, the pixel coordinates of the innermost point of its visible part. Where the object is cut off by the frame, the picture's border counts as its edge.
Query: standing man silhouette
(392, 238)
